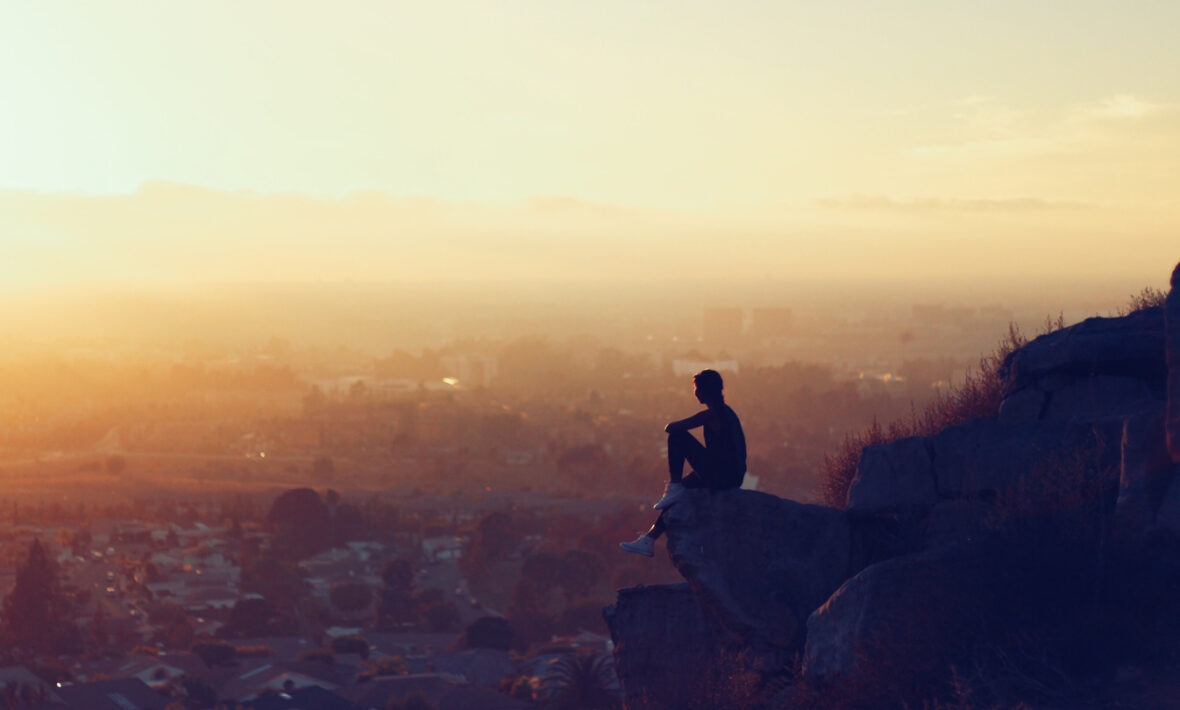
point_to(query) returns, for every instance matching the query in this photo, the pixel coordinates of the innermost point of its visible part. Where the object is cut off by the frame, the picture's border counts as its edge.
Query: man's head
(708, 386)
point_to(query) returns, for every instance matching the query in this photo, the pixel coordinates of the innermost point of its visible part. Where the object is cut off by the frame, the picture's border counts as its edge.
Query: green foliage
(254, 651)
(323, 655)
(442, 617)
(489, 632)
(193, 692)
(390, 665)
(581, 681)
(301, 522)
(351, 596)
(353, 644)
(413, 701)
(215, 652)
(37, 614)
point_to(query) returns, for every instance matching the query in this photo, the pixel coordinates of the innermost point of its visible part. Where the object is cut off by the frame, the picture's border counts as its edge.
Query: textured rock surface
(1167, 517)
(954, 521)
(1100, 396)
(1130, 346)
(1173, 354)
(901, 622)
(661, 639)
(985, 455)
(759, 565)
(894, 475)
(1143, 469)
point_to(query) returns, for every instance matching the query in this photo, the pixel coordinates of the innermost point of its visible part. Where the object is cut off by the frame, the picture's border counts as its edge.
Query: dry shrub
(1147, 298)
(978, 397)
(1068, 489)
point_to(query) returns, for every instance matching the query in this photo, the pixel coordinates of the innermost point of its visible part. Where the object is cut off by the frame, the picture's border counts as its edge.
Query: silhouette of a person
(718, 464)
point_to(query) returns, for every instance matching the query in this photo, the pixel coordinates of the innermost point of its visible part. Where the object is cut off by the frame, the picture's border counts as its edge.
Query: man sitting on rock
(717, 465)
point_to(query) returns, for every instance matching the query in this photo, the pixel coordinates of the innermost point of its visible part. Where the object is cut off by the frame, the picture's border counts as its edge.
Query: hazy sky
(159, 141)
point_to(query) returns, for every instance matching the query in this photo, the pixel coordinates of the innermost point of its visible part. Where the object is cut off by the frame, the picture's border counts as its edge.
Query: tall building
(722, 325)
(771, 322)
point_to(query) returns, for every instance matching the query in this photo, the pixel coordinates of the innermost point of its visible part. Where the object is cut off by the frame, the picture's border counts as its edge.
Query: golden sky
(244, 140)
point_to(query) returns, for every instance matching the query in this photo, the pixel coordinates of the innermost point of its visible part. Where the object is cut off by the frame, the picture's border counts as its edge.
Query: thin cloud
(881, 203)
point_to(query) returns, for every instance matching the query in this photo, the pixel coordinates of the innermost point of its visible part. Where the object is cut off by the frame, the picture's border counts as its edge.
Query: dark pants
(707, 471)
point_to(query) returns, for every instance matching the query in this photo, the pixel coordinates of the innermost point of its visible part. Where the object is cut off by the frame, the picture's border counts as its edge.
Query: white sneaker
(671, 494)
(642, 545)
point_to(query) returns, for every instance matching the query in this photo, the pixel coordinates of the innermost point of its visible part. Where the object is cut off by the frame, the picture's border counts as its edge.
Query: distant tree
(99, 636)
(348, 524)
(581, 571)
(494, 538)
(301, 522)
(192, 691)
(413, 701)
(442, 617)
(489, 632)
(257, 651)
(396, 604)
(51, 671)
(165, 613)
(351, 644)
(16, 695)
(351, 596)
(584, 615)
(323, 468)
(323, 655)
(215, 652)
(390, 665)
(180, 634)
(581, 681)
(427, 597)
(398, 574)
(250, 616)
(37, 615)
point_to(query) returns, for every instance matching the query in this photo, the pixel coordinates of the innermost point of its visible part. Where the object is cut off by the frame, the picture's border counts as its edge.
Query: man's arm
(701, 418)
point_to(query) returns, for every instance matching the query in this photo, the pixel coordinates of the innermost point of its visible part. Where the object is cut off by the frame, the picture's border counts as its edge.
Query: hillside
(1029, 557)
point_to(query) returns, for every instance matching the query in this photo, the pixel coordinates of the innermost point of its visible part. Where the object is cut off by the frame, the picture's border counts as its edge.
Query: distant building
(471, 370)
(692, 367)
(722, 325)
(770, 322)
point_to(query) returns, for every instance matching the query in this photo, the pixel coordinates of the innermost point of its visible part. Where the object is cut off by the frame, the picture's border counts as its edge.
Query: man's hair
(709, 381)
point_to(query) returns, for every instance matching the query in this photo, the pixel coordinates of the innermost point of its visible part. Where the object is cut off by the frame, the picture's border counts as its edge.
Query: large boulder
(900, 627)
(982, 457)
(1128, 346)
(662, 640)
(902, 621)
(759, 565)
(895, 475)
(1172, 319)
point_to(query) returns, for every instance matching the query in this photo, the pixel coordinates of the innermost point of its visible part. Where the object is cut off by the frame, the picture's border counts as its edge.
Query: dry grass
(978, 397)
(1147, 298)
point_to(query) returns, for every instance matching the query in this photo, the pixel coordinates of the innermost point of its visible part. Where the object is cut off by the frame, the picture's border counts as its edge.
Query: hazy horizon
(280, 142)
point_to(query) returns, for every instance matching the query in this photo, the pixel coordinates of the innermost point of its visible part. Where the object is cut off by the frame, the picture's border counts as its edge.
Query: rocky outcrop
(1172, 319)
(949, 542)
(802, 553)
(896, 475)
(901, 622)
(661, 639)
(1144, 469)
(1100, 367)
